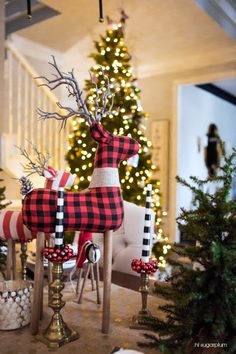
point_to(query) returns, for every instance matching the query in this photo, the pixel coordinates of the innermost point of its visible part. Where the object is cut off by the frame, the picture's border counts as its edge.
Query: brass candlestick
(57, 333)
(138, 321)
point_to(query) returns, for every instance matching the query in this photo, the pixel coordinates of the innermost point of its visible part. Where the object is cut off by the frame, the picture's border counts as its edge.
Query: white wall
(196, 110)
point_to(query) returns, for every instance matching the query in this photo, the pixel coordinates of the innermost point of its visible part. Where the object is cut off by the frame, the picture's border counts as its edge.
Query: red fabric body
(96, 210)
(81, 256)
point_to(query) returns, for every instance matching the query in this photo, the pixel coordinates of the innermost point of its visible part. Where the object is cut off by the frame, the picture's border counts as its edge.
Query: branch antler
(37, 166)
(102, 96)
(68, 79)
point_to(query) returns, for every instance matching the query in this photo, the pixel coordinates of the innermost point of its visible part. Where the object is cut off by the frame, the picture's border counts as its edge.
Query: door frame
(228, 71)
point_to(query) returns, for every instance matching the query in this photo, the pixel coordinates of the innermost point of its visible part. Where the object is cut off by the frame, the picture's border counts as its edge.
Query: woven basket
(15, 304)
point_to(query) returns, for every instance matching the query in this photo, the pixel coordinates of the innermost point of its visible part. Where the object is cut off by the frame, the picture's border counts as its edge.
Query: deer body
(97, 209)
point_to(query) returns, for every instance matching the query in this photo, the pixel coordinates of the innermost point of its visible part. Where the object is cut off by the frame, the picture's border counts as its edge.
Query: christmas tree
(125, 118)
(201, 307)
(2, 206)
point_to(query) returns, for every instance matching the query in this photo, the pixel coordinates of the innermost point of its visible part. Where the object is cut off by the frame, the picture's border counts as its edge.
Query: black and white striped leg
(59, 231)
(146, 249)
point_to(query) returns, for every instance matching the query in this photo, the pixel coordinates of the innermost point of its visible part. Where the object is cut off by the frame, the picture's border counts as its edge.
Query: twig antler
(102, 95)
(37, 166)
(68, 79)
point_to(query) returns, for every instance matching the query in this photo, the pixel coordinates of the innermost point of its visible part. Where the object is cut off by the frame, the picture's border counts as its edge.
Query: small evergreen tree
(2, 243)
(202, 298)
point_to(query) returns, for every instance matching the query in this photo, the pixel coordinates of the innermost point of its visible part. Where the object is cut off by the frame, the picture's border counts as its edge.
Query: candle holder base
(139, 320)
(54, 339)
(57, 332)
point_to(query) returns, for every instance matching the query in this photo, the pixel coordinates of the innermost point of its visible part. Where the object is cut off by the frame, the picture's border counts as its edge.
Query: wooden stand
(107, 266)
(38, 283)
(37, 303)
(23, 257)
(89, 270)
(11, 260)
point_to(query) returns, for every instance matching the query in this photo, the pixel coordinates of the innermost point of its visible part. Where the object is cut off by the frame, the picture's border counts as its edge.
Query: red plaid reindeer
(100, 208)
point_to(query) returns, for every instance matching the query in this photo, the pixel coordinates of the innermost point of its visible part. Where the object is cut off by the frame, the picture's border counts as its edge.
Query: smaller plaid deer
(12, 228)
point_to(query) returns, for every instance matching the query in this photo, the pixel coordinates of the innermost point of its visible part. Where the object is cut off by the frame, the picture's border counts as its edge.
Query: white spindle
(19, 104)
(10, 96)
(25, 117)
(32, 115)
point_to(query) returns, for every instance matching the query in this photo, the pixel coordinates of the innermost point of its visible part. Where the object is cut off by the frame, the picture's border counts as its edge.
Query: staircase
(22, 96)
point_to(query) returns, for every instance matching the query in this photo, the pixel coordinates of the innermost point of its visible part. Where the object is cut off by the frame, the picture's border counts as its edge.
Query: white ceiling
(157, 31)
(163, 36)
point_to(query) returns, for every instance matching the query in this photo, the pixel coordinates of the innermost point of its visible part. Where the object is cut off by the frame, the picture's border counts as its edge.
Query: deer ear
(100, 134)
(50, 172)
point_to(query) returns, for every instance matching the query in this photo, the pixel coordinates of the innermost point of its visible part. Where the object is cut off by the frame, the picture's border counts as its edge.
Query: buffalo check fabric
(111, 148)
(96, 210)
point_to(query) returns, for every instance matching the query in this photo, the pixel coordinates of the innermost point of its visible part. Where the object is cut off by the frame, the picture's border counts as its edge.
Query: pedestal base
(53, 339)
(138, 321)
(57, 332)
